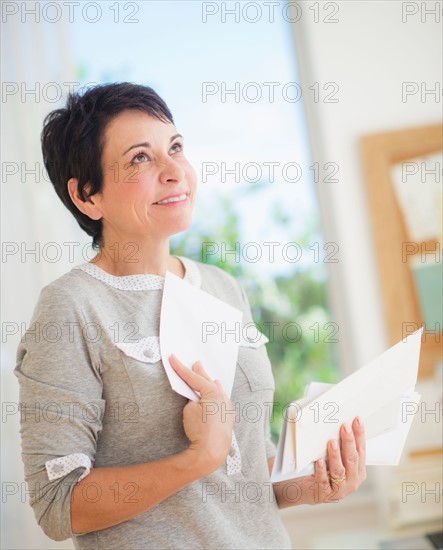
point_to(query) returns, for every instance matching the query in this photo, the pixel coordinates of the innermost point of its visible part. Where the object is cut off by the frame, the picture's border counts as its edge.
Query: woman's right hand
(207, 423)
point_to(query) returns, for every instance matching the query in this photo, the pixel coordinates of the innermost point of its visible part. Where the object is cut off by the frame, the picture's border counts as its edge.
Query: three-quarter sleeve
(61, 406)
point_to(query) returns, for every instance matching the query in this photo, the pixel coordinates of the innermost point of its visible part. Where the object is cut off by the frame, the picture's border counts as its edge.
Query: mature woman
(113, 456)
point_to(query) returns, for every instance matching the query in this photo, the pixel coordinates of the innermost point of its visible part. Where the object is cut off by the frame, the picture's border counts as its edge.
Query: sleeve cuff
(62, 466)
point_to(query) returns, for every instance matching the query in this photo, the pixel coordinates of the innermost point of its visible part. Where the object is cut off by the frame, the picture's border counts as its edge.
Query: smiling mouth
(178, 198)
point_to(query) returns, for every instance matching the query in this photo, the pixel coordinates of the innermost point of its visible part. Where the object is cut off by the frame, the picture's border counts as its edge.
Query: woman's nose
(171, 172)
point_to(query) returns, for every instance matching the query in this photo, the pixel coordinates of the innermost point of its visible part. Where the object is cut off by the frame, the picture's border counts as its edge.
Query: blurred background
(314, 131)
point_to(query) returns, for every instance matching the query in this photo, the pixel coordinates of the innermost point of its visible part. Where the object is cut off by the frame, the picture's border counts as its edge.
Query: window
(231, 84)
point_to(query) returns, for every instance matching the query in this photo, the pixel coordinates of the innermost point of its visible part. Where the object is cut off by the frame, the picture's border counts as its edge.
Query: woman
(92, 387)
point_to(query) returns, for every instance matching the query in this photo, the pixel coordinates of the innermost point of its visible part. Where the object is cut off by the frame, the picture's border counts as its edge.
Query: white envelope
(385, 449)
(376, 392)
(187, 312)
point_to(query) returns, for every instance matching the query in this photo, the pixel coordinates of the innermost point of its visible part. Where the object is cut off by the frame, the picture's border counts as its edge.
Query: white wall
(24, 197)
(369, 53)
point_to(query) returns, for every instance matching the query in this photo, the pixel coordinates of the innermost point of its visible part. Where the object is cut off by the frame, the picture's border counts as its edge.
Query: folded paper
(380, 393)
(196, 326)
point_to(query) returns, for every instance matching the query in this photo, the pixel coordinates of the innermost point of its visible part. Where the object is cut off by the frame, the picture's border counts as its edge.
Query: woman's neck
(132, 258)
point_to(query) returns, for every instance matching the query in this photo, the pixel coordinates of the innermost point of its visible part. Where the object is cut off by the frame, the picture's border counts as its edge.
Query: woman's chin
(179, 227)
(182, 225)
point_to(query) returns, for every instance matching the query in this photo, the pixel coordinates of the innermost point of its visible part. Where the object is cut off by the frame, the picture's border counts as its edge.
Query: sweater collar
(145, 281)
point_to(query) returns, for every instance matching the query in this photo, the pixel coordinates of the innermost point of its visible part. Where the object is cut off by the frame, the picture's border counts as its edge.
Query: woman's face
(143, 166)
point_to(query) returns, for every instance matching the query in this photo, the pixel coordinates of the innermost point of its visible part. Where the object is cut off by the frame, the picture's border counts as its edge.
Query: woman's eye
(177, 147)
(140, 157)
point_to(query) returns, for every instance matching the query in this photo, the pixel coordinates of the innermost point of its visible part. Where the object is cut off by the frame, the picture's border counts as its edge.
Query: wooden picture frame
(379, 153)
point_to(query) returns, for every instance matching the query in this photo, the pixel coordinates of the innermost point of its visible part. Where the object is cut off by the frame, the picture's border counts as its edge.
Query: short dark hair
(72, 140)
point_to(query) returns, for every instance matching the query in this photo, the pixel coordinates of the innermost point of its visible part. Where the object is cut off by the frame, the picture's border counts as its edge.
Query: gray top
(93, 389)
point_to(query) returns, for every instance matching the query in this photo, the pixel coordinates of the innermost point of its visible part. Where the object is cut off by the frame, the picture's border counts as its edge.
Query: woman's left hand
(347, 471)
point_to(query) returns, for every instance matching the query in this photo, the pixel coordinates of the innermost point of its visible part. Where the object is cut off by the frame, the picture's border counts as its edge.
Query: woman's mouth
(176, 198)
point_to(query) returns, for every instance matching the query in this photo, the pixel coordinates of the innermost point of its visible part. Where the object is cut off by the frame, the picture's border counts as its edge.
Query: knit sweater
(94, 393)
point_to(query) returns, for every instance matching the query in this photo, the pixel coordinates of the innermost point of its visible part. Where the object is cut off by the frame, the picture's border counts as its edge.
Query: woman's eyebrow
(148, 145)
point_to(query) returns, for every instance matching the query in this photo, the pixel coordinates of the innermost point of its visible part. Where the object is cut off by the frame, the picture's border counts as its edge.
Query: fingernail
(359, 421)
(321, 463)
(347, 428)
(334, 444)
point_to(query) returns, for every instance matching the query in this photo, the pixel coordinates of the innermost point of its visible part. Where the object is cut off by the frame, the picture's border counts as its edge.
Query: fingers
(321, 475)
(360, 442)
(198, 368)
(323, 491)
(219, 385)
(350, 462)
(350, 457)
(336, 467)
(198, 381)
(346, 459)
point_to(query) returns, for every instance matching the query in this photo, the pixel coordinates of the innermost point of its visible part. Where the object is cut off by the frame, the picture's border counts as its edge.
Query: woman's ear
(90, 206)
